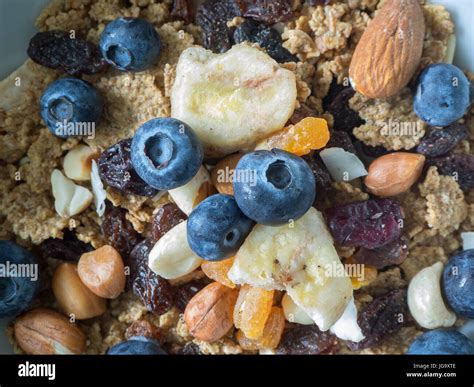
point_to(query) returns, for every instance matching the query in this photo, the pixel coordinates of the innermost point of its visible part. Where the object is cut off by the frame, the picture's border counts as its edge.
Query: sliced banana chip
(347, 327)
(293, 313)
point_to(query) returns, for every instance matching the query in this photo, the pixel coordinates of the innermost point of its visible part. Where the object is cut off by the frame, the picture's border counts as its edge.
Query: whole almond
(389, 50)
(395, 173)
(45, 332)
(222, 174)
(208, 314)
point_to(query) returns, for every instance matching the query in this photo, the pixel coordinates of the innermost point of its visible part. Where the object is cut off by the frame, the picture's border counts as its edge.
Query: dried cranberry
(302, 112)
(74, 56)
(321, 175)
(393, 253)
(266, 11)
(345, 118)
(438, 142)
(183, 9)
(212, 16)
(190, 349)
(370, 224)
(118, 231)
(342, 140)
(383, 316)
(459, 166)
(267, 37)
(138, 255)
(185, 292)
(116, 170)
(67, 249)
(306, 340)
(167, 216)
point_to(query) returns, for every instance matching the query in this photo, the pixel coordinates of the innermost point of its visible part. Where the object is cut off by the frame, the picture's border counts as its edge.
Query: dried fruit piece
(321, 175)
(190, 348)
(382, 317)
(438, 142)
(185, 292)
(393, 253)
(306, 340)
(58, 50)
(293, 313)
(340, 139)
(143, 328)
(67, 249)
(303, 111)
(183, 9)
(271, 335)
(308, 134)
(345, 118)
(267, 11)
(372, 223)
(266, 37)
(118, 231)
(218, 270)
(138, 255)
(222, 174)
(116, 170)
(167, 216)
(459, 166)
(252, 309)
(212, 16)
(360, 279)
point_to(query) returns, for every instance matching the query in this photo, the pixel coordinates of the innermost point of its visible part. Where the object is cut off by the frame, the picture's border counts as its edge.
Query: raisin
(306, 340)
(334, 89)
(182, 9)
(304, 111)
(266, 11)
(67, 249)
(184, 293)
(74, 56)
(116, 170)
(321, 175)
(342, 140)
(382, 317)
(393, 253)
(459, 166)
(438, 142)
(315, 3)
(118, 231)
(373, 152)
(345, 118)
(267, 37)
(212, 16)
(138, 255)
(190, 349)
(370, 224)
(167, 216)
(143, 328)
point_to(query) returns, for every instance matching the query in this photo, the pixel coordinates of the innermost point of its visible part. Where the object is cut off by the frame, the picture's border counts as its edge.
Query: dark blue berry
(137, 345)
(441, 342)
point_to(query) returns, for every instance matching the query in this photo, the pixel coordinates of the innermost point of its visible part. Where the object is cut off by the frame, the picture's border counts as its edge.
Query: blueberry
(441, 342)
(130, 44)
(442, 94)
(166, 153)
(273, 187)
(19, 279)
(217, 228)
(71, 106)
(137, 345)
(458, 283)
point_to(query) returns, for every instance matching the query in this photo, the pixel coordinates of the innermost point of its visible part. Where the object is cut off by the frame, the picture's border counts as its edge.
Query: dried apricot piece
(218, 270)
(309, 134)
(271, 333)
(252, 309)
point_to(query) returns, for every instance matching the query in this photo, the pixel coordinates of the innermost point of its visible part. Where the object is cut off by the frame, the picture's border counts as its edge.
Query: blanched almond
(395, 173)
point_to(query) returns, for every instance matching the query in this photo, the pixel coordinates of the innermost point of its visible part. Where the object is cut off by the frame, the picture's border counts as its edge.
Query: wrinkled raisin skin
(138, 255)
(190, 349)
(67, 249)
(56, 50)
(438, 142)
(184, 293)
(302, 112)
(167, 216)
(345, 118)
(306, 340)
(340, 139)
(266, 11)
(393, 253)
(370, 223)
(116, 170)
(459, 166)
(323, 179)
(182, 9)
(382, 317)
(118, 231)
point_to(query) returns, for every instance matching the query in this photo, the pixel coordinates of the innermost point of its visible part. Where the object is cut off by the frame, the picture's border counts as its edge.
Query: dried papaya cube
(271, 333)
(217, 271)
(252, 309)
(311, 133)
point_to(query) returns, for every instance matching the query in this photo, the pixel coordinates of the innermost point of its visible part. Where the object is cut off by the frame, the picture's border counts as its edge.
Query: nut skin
(208, 314)
(394, 173)
(73, 296)
(389, 51)
(45, 332)
(225, 166)
(102, 271)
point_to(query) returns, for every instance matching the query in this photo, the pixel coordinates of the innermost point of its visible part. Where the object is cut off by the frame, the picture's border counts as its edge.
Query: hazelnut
(208, 315)
(393, 174)
(102, 271)
(73, 296)
(45, 332)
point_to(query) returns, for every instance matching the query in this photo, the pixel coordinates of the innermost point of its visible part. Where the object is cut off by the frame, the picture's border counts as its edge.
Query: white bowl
(17, 27)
